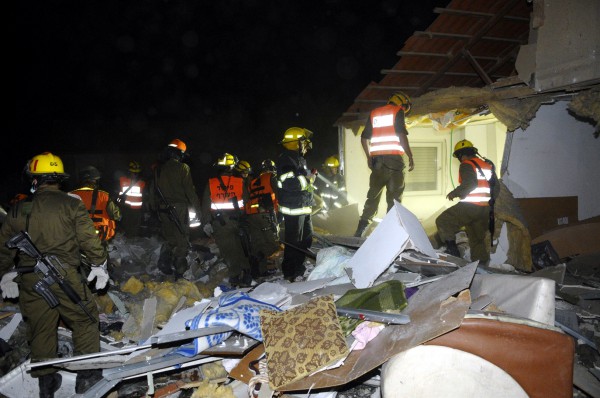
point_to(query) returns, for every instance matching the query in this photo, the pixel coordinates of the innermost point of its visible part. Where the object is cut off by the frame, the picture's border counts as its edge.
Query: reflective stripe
(383, 120)
(303, 182)
(226, 205)
(387, 138)
(476, 199)
(295, 212)
(388, 147)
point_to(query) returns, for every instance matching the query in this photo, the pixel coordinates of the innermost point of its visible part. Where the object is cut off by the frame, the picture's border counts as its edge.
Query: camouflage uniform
(58, 224)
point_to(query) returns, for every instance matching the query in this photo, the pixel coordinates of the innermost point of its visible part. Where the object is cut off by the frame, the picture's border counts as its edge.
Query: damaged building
(391, 314)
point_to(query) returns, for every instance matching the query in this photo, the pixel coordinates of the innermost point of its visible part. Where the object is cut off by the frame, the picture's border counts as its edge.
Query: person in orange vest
(223, 212)
(384, 141)
(131, 199)
(102, 209)
(262, 210)
(474, 212)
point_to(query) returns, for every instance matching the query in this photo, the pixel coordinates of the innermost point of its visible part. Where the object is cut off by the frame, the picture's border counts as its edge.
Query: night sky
(224, 76)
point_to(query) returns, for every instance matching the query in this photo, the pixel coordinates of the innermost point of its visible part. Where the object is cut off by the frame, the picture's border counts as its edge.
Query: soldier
(172, 193)
(223, 213)
(58, 223)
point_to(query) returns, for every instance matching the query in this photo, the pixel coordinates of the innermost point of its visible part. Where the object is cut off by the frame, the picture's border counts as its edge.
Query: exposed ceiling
(472, 43)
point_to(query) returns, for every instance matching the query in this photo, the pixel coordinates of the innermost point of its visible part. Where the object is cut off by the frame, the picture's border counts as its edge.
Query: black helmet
(89, 173)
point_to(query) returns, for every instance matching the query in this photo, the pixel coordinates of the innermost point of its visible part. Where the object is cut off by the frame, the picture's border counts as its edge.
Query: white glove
(208, 229)
(100, 274)
(9, 287)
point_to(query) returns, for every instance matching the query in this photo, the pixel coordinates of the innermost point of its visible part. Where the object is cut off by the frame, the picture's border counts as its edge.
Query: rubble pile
(363, 305)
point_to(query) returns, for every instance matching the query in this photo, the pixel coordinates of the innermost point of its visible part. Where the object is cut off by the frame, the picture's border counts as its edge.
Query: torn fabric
(236, 309)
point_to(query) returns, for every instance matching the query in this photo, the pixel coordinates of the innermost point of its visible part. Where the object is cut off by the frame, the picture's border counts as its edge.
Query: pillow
(301, 340)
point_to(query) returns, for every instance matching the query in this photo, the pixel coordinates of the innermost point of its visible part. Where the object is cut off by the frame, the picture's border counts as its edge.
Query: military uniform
(219, 211)
(472, 212)
(174, 179)
(387, 166)
(58, 224)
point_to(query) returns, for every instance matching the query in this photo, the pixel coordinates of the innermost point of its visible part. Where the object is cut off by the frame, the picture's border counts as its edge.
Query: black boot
(86, 379)
(49, 384)
(360, 229)
(181, 265)
(165, 260)
(451, 248)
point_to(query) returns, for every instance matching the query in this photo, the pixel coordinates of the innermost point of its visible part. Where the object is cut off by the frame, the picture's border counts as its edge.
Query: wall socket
(562, 220)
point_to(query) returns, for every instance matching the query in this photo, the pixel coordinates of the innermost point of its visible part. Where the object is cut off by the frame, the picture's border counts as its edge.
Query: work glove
(99, 273)
(208, 229)
(9, 287)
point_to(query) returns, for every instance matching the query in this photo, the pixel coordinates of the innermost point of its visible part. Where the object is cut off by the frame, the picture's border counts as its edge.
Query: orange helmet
(177, 143)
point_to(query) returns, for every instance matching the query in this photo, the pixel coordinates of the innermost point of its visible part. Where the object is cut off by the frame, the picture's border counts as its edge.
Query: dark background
(126, 77)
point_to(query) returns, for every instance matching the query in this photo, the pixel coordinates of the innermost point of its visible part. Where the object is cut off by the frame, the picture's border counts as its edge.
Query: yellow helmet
(332, 161)
(227, 160)
(46, 164)
(400, 99)
(243, 167)
(135, 167)
(463, 146)
(294, 135)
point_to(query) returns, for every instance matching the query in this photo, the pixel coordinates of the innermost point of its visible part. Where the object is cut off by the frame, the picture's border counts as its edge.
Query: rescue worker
(173, 195)
(295, 189)
(384, 141)
(102, 209)
(262, 209)
(58, 224)
(131, 199)
(330, 185)
(223, 212)
(475, 176)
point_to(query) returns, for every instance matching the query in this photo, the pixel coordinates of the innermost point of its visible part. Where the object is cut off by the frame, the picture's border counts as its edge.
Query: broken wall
(563, 44)
(557, 155)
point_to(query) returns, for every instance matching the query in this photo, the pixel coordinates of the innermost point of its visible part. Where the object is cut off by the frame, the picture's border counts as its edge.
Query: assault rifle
(47, 267)
(243, 228)
(170, 209)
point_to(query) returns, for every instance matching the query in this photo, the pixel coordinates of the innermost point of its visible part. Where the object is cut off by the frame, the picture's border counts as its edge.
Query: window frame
(439, 145)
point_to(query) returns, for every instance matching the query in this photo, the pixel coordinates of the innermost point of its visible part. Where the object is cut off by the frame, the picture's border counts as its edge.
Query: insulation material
(213, 390)
(132, 286)
(507, 212)
(515, 113)
(586, 104)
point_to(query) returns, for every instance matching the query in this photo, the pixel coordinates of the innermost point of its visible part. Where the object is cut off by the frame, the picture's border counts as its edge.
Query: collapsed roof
(505, 57)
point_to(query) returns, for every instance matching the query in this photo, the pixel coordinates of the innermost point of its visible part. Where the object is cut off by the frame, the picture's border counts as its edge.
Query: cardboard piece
(573, 240)
(399, 230)
(433, 311)
(543, 214)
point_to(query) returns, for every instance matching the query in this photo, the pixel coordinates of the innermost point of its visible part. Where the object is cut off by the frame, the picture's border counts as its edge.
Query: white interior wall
(556, 156)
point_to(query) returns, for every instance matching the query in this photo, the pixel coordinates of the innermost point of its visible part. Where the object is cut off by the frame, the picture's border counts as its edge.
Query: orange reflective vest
(104, 225)
(221, 194)
(131, 194)
(384, 140)
(482, 194)
(262, 195)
